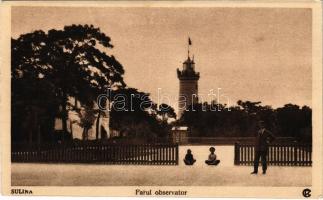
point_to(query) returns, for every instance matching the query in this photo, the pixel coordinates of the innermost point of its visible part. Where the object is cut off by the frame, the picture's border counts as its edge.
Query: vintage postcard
(162, 99)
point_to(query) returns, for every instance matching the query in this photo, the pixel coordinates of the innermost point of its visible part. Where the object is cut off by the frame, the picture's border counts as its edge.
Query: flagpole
(188, 47)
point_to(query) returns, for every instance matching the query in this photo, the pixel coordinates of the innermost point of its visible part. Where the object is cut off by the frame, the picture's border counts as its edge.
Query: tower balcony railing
(188, 74)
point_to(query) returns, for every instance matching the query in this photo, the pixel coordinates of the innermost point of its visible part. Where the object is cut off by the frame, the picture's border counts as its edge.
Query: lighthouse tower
(188, 84)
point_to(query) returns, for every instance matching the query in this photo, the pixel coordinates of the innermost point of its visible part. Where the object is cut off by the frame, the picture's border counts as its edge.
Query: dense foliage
(216, 120)
(134, 114)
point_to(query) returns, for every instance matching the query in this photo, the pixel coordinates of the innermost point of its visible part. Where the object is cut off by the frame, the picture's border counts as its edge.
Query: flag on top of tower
(189, 41)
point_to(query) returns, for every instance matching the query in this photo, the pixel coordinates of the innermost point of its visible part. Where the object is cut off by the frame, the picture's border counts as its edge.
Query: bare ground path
(226, 174)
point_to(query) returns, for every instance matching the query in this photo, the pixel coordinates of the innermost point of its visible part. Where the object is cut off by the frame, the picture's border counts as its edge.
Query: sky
(256, 54)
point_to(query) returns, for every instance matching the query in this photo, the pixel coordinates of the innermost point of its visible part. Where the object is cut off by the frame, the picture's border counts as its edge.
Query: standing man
(263, 138)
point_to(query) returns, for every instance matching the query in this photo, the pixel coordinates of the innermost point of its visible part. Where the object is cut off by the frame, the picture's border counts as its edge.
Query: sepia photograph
(153, 96)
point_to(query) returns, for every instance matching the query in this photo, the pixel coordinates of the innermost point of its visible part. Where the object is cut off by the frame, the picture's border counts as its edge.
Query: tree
(242, 120)
(129, 111)
(250, 107)
(34, 101)
(80, 61)
(166, 112)
(73, 62)
(293, 120)
(134, 114)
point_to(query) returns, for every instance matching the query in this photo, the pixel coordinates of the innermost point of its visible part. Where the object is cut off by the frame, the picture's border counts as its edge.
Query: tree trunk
(64, 116)
(37, 125)
(33, 125)
(97, 126)
(75, 103)
(29, 127)
(84, 134)
(30, 136)
(38, 135)
(71, 129)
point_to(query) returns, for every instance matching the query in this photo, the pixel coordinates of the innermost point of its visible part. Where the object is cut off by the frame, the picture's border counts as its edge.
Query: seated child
(189, 160)
(212, 158)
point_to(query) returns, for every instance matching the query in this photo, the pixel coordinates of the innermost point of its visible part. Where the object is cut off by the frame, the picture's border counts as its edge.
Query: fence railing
(278, 154)
(224, 140)
(143, 154)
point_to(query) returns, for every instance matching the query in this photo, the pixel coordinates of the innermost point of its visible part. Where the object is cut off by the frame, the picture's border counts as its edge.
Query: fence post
(295, 147)
(236, 153)
(177, 154)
